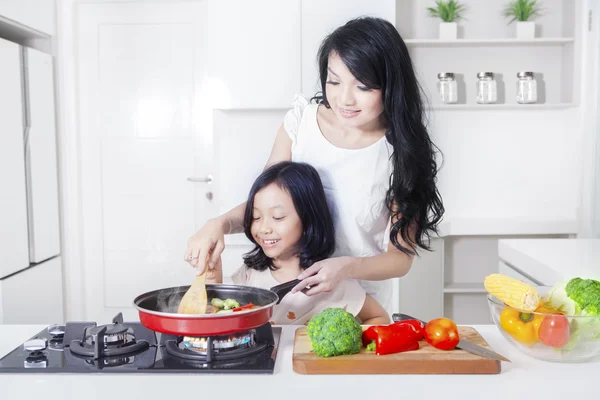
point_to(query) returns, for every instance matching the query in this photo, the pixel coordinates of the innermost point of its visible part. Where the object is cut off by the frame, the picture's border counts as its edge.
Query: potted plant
(449, 12)
(522, 11)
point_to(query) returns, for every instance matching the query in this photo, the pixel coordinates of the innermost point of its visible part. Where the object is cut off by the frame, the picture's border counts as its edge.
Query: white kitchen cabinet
(254, 53)
(14, 253)
(320, 18)
(33, 296)
(419, 291)
(35, 14)
(44, 232)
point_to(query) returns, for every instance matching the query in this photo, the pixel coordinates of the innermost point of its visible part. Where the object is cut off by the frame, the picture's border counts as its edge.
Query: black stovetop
(70, 354)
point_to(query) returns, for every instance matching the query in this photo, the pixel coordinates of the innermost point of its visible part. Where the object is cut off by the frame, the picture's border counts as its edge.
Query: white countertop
(551, 260)
(523, 378)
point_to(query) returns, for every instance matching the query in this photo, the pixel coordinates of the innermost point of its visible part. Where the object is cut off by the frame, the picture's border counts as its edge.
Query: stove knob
(36, 344)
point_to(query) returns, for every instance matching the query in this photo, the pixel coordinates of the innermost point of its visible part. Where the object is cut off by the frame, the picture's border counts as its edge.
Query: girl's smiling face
(352, 102)
(276, 226)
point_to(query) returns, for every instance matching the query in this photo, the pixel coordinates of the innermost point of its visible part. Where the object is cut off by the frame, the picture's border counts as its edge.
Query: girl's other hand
(208, 241)
(323, 276)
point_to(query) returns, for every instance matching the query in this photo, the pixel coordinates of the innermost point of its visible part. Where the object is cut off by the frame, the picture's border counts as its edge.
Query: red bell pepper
(394, 338)
(415, 323)
(246, 307)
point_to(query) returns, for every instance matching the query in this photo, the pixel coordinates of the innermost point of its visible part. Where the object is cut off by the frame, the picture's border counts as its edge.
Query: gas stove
(129, 347)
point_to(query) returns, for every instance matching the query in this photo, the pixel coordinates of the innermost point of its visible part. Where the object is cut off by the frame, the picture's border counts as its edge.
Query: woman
(365, 135)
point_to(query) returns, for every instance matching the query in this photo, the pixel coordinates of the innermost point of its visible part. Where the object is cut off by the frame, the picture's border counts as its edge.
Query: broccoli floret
(578, 297)
(586, 293)
(334, 332)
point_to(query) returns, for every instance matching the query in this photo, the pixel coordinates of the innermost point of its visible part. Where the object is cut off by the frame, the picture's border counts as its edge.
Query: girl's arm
(372, 313)
(210, 238)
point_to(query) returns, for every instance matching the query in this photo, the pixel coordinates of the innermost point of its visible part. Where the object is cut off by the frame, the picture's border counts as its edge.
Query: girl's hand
(215, 274)
(323, 276)
(208, 241)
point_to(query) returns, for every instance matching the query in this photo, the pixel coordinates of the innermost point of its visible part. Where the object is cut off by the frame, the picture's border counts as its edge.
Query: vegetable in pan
(229, 305)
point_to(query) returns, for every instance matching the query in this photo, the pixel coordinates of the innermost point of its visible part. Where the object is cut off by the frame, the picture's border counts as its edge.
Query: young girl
(366, 137)
(288, 220)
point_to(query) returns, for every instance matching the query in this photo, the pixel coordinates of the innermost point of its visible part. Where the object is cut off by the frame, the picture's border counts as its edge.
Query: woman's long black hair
(304, 186)
(376, 55)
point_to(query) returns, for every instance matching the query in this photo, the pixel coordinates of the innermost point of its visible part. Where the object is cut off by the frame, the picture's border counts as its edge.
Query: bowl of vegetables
(559, 323)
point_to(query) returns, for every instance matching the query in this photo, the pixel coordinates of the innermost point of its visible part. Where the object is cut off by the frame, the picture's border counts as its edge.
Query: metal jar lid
(525, 74)
(446, 75)
(485, 75)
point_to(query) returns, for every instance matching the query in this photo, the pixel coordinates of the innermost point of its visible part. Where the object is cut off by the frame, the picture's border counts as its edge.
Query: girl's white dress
(298, 308)
(355, 182)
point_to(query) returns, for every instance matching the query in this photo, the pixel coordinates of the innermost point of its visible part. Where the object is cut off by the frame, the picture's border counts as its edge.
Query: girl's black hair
(376, 55)
(304, 185)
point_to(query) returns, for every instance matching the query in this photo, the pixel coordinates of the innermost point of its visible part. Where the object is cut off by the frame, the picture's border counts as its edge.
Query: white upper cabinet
(36, 14)
(254, 53)
(13, 206)
(44, 240)
(320, 18)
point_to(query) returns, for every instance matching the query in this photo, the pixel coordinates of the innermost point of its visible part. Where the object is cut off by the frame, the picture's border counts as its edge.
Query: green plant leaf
(522, 10)
(447, 11)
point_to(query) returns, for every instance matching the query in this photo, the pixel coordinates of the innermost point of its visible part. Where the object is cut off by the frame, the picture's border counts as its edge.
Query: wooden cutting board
(426, 360)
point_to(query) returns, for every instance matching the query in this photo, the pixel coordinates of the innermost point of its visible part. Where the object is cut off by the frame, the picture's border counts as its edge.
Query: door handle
(207, 179)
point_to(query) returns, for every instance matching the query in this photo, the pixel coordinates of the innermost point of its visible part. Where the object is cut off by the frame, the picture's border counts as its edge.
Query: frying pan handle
(284, 288)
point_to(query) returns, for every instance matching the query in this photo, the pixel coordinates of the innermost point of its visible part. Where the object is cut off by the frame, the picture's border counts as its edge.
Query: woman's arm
(372, 313)
(325, 275)
(392, 264)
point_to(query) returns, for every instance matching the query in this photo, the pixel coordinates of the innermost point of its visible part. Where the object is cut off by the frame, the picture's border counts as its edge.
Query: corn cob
(512, 292)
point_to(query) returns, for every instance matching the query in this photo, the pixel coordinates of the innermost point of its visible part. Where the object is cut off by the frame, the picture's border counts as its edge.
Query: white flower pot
(525, 30)
(448, 30)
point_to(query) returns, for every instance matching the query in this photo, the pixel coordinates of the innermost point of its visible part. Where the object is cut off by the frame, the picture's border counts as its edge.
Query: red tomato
(442, 333)
(554, 331)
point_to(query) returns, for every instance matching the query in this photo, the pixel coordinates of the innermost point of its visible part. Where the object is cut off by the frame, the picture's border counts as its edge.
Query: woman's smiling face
(352, 102)
(276, 226)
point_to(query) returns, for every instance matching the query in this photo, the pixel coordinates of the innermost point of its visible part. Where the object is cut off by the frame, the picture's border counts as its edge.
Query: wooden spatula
(195, 299)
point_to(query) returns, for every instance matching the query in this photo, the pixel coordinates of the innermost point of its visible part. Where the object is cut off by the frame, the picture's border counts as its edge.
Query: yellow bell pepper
(523, 327)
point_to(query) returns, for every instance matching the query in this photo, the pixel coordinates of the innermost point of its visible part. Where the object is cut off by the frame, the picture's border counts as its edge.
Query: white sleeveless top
(355, 181)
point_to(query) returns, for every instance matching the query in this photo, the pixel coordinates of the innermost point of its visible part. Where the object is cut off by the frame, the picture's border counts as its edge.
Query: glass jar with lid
(526, 88)
(447, 87)
(487, 92)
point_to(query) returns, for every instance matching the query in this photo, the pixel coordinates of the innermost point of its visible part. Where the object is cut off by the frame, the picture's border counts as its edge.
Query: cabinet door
(13, 203)
(254, 52)
(35, 14)
(44, 236)
(421, 290)
(34, 296)
(320, 18)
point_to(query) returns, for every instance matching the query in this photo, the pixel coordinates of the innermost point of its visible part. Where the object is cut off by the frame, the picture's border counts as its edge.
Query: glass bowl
(523, 331)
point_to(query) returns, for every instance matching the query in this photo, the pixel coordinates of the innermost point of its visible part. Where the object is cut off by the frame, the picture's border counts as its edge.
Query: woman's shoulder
(301, 106)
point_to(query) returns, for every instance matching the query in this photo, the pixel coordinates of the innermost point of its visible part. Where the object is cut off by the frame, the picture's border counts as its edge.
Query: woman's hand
(208, 241)
(323, 276)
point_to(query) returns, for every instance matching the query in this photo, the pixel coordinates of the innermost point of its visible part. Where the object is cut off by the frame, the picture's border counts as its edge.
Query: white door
(14, 253)
(144, 130)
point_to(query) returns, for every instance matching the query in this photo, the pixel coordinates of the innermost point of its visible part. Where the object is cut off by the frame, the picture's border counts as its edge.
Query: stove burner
(108, 341)
(220, 343)
(220, 348)
(113, 335)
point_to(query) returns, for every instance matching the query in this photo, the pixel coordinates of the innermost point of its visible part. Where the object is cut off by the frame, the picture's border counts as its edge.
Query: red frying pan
(158, 309)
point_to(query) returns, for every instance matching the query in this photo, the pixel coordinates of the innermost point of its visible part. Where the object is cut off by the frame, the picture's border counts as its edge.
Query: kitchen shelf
(499, 107)
(488, 42)
(465, 287)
